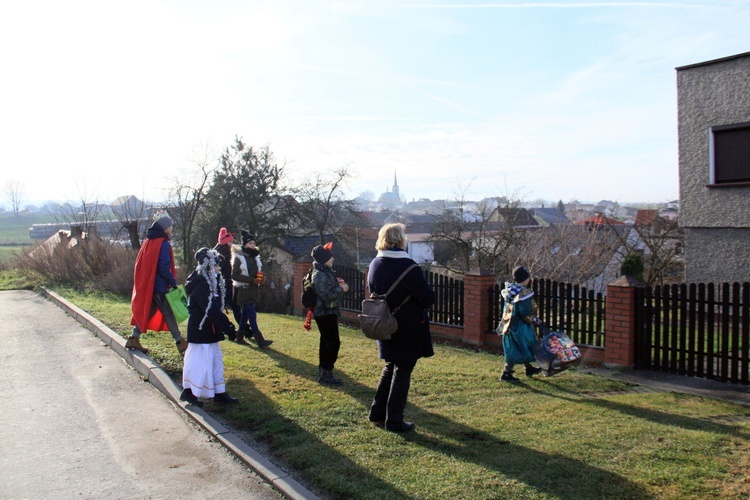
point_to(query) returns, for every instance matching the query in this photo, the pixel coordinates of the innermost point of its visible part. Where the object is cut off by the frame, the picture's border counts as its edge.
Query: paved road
(77, 421)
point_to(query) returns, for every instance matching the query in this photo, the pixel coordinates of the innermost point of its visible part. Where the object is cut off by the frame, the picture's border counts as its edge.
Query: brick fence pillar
(300, 269)
(477, 283)
(620, 323)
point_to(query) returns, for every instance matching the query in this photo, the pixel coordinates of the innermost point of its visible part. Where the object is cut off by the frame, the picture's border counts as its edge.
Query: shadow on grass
(655, 416)
(555, 475)
(302, 451)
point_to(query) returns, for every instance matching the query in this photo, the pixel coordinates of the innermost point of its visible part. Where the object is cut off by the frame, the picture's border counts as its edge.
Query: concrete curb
(149, 370)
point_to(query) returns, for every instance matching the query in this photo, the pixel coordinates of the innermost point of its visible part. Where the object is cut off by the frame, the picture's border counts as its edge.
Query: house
(546, 217)
(714, 165)
(599, 223)
(515, 217)
(646, 217)
(421, 247)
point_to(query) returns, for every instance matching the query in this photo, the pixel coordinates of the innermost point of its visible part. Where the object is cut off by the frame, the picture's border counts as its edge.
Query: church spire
(395, 183)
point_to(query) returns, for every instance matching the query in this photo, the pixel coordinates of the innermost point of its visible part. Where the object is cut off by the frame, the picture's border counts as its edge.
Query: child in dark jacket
(329, 291)
(203, 369)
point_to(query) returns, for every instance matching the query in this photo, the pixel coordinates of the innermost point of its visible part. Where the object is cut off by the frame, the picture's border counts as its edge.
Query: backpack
(309, 297)
(377, 320)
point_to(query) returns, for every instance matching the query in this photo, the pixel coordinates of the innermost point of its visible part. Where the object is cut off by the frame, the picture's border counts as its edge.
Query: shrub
(81, 263)
(632, 266)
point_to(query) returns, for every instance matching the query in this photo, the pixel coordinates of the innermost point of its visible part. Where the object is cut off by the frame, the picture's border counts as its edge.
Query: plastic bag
(556, 352)
(177, 299)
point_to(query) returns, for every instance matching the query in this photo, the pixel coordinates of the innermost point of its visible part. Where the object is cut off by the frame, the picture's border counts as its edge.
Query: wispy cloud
(550, 5)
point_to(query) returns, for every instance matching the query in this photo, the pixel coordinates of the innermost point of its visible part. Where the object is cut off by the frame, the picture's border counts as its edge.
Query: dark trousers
(392, 392)
(249, 317)
(232, 303)
(330, 342)
(159, 301)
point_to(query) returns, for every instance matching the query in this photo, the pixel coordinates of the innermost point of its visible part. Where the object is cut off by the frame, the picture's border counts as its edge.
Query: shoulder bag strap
(400, 278)
(396, 283)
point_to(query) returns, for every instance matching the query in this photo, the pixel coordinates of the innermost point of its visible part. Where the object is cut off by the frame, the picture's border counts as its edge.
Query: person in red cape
(153, 275)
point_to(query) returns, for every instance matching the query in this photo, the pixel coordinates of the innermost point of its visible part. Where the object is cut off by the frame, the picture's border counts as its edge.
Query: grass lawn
(8, 253)
(575, 435)
(15, 229)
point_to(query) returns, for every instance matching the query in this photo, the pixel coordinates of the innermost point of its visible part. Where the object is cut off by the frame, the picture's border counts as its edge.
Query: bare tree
(187, 196)
(84, 214)
(321, 203)
(571, 253)
(15, 192)
(660, 241)
(130, 214)
(472, 235)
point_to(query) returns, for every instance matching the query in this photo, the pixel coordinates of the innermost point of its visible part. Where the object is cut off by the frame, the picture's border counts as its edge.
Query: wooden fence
(699, 330)
(695, 330)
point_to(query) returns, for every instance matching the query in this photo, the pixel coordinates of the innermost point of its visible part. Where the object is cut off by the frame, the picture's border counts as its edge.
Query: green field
(15, 229)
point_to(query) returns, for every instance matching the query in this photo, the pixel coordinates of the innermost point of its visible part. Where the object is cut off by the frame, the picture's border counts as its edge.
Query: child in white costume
(203, 368)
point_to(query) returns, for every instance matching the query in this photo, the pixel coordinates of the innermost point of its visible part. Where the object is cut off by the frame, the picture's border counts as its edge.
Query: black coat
(216, 324)
(412, 340)
(225, 264)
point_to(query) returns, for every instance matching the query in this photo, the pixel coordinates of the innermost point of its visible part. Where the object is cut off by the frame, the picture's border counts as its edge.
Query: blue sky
(540, 100)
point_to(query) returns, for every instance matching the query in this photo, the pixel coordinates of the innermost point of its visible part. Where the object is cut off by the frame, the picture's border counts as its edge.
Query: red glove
(308, 320)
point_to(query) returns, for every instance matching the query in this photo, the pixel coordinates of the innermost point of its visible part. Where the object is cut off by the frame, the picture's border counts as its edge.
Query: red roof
(600, 220)
(645, 217)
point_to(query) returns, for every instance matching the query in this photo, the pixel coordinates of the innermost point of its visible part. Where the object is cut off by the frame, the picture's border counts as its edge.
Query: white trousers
(203, 370)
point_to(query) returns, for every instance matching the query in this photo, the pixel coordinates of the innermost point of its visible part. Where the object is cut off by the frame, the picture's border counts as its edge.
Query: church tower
(391, 199)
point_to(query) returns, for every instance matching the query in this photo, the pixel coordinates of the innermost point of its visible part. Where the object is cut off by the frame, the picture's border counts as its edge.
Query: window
(729, 152)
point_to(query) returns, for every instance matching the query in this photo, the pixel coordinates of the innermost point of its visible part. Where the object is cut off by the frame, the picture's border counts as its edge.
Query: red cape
(144, 276)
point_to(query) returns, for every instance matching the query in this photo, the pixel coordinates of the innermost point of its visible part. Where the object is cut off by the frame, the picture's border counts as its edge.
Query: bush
(632, 266)
(88, 263)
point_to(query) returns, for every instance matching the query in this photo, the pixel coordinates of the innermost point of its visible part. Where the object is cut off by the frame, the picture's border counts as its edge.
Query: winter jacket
(328, 290)
(412, 340)
(216, 323)
(518, 313)
(225, 264)
(153, 272)
(246, 289)
(164, 276)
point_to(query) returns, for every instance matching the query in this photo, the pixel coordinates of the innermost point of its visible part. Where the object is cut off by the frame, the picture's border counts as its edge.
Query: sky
(553, 100)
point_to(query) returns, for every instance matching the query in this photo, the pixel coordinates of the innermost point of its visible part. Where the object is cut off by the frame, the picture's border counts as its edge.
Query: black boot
(325, 377)
(241, 337)
(262, 343)
(224, 398)
(188, 396)
(532, 370)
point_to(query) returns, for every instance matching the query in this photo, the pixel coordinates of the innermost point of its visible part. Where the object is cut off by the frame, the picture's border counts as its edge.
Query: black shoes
(325, 377)
(375, 418)
(240, 338)
(188, 396)
(224, 398)
(262, 344)
(531, 371)
(399, 427)
(508, 377)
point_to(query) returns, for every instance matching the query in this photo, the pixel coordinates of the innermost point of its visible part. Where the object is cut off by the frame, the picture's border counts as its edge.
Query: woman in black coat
(412, 340)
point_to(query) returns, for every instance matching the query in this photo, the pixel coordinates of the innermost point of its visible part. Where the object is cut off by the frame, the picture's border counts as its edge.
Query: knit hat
(164, 222)
(225, 237)
(247, 237)
(204, 255)
(521, 274)
(322, 253)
